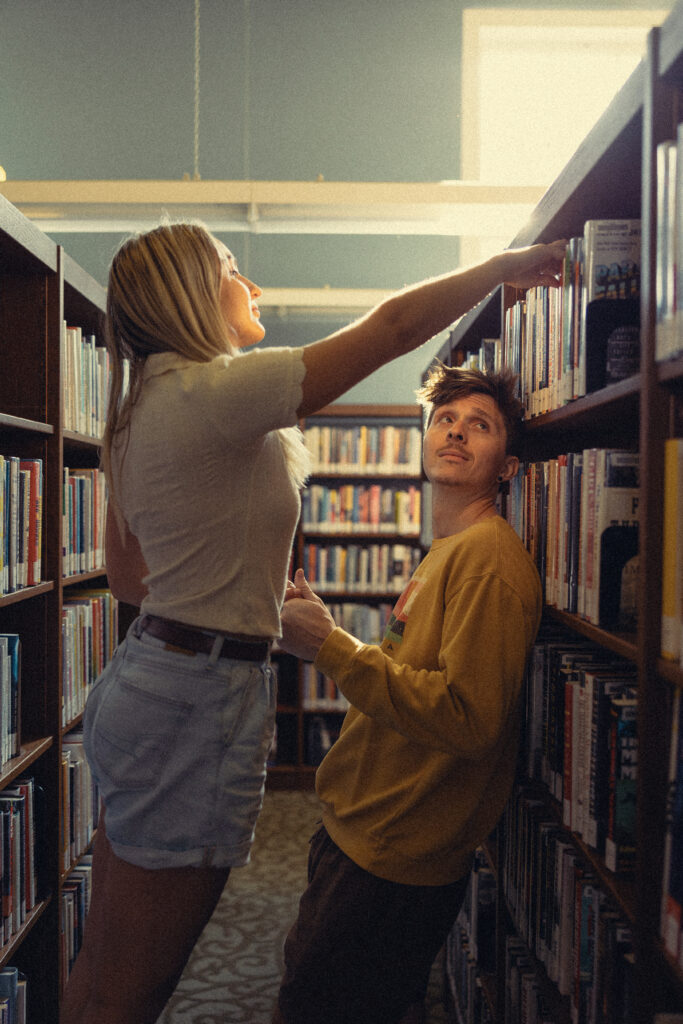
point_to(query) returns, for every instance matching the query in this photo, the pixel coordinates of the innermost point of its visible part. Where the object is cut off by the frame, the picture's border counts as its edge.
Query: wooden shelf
(612, 174)
(39, 287)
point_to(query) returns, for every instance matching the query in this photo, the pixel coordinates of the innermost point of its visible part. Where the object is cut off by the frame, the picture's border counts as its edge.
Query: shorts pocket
(133, 732)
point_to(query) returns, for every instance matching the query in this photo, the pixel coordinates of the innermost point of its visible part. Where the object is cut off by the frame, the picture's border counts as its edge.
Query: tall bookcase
(363, 499)
(40, 287)
(613, 175)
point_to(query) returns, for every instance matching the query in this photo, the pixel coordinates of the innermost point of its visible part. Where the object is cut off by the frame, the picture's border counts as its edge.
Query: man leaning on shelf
(425, 760)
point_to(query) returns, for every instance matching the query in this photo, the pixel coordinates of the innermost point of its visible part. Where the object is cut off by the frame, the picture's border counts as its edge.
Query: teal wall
(365, 90)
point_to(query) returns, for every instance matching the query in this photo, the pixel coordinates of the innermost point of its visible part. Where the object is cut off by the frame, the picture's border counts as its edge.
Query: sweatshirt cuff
(337, 652)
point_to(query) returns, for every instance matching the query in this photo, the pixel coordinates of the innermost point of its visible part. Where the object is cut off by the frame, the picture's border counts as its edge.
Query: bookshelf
(40, 288)
(611, 175)
(359, 537)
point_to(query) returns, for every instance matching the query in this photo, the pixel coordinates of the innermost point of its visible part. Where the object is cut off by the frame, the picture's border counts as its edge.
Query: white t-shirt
(205, 488)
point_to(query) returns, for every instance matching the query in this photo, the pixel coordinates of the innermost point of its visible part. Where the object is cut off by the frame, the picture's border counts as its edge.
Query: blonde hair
(164, 296)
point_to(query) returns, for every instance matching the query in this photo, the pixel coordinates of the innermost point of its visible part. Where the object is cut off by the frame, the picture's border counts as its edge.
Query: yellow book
(672, 549)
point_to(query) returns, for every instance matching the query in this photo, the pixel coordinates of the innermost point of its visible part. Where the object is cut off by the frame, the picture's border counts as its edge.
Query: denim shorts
(177, 743)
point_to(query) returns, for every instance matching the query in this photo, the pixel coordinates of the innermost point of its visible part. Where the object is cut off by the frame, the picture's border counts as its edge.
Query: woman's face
(237, 298)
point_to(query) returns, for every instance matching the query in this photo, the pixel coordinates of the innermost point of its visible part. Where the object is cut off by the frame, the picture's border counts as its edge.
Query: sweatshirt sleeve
(464, 705)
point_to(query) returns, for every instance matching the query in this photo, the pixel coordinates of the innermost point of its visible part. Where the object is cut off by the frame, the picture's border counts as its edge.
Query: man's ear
(509, 467)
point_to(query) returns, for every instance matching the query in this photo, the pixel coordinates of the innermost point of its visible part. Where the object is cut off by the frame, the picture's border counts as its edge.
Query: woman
(204, 464)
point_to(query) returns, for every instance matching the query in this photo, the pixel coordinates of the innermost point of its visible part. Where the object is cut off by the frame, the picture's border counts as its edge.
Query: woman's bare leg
(140, 931)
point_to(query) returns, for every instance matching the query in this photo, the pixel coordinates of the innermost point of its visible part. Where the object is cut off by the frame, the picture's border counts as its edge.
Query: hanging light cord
(196, 175)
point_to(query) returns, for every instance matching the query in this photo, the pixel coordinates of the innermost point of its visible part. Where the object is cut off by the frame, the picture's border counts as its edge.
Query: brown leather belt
(193, 641)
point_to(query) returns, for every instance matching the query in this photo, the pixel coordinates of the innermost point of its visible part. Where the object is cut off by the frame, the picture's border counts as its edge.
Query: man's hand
(306, 622)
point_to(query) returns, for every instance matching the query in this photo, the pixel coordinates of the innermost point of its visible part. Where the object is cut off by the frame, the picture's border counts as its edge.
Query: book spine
(620, 846)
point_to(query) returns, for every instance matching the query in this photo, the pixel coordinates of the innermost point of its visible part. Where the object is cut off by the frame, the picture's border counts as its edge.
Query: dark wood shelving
(612, 174)
(39, 287)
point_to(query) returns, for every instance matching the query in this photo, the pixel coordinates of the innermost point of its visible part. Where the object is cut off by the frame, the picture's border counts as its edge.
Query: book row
(362, 508)
(465, 980)
(564, 918)
(83, 520)
(470, 951)
(488, 357)
(368, 622)
(10, 696)
(582, 744)
(365, 448)
(578, 516)
(21, 522)
(669, 268)
(80, 801)
(13, 996)
(20, 841)
(319, 692)
(568, 342)
(359, 568)
(89, 637)
(86, 374)
(672, 876)
(76, 894)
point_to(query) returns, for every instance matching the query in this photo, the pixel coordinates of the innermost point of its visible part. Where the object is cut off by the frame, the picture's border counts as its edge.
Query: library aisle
(234, 972)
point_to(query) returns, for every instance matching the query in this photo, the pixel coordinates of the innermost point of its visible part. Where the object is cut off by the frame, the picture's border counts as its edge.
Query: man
(425, 761)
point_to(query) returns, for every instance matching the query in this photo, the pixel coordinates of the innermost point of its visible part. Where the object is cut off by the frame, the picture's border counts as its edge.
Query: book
(611, 599)
(10, 695)
(620, 839)
(608, 337)
(672, 877)
(575, 478)
(572, 283)
(581, 974)
(601, 682)
(25, 787)
(13, 908)
(12, 491)
(34, 515)
(665, 267)
(678, 250)
(672, 550)
(587, 533)
(9, 981)
(563, 938)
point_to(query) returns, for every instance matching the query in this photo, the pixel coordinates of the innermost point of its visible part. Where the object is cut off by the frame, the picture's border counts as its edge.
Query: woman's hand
(535, 265)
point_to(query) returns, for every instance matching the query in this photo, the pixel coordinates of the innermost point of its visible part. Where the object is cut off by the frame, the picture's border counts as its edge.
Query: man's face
(464, 445)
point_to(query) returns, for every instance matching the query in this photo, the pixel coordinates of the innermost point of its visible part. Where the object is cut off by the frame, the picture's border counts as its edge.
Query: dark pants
(362, 948)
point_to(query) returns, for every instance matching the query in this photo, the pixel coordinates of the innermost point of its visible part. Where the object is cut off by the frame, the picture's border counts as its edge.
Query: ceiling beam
(453, 208)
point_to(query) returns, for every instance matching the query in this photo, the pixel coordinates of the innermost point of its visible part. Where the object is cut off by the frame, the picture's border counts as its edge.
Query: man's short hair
(446, 383)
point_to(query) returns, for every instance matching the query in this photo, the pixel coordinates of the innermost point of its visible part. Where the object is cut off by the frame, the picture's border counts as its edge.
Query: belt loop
(138, 626)
(215, 651)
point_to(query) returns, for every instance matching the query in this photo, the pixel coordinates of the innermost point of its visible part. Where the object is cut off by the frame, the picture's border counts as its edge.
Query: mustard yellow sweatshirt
(425, 760)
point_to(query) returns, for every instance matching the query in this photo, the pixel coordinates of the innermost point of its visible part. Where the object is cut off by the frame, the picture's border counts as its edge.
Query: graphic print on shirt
(393, 635)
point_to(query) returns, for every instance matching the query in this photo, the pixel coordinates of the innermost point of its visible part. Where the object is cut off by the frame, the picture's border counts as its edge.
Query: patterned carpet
(234, 972)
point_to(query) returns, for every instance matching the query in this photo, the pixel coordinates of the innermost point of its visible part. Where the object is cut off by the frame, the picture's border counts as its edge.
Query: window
(534, 82)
